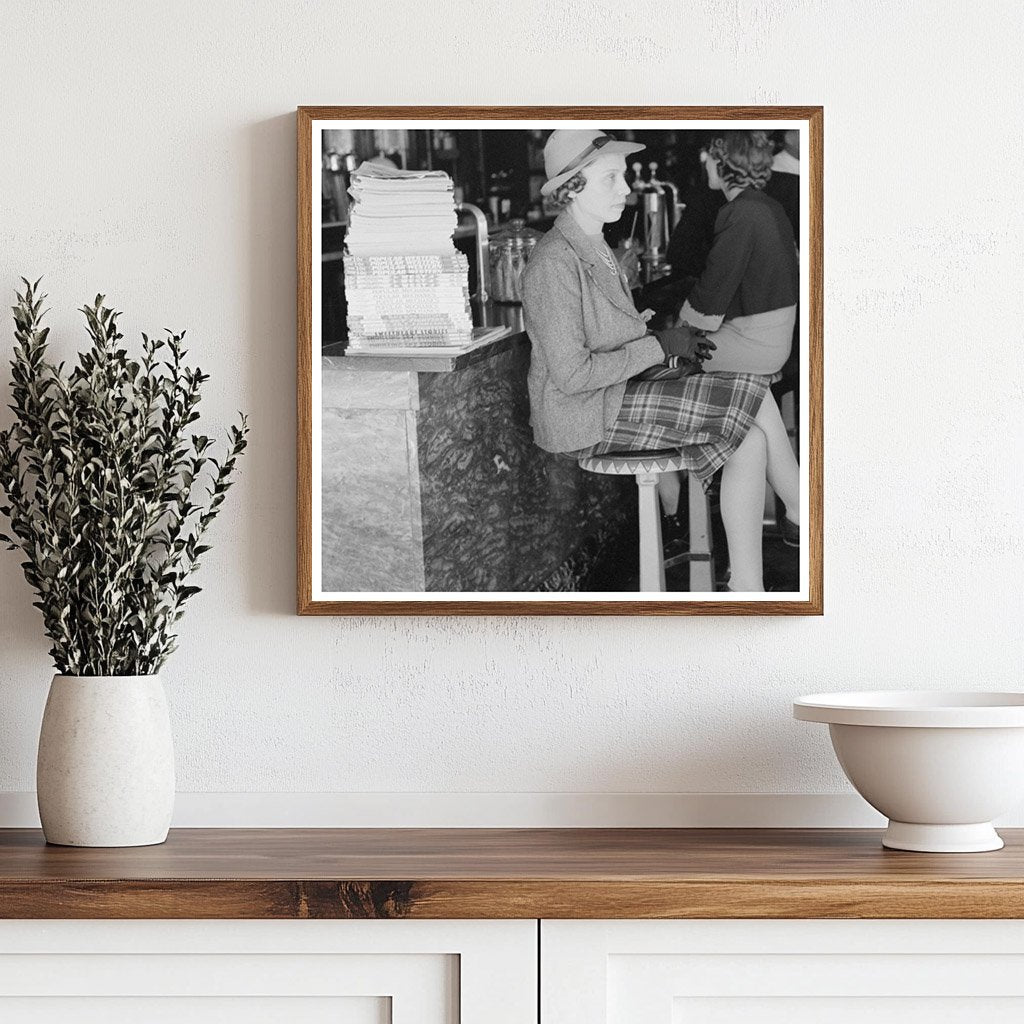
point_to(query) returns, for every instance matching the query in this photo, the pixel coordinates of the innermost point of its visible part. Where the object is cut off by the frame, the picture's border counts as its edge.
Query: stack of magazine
(406, 284)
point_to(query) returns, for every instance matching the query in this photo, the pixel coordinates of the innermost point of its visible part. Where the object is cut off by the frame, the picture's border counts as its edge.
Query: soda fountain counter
(431, 480)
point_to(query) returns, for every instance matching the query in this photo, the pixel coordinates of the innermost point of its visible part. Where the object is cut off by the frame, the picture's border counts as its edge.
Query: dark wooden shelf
(507, 873)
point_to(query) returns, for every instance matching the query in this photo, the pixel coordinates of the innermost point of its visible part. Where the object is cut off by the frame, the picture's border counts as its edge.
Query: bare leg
(743, 508)
(782, 467)
(669, 487)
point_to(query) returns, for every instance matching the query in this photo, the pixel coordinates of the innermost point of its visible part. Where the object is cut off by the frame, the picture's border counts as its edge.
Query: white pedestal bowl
(940, 766)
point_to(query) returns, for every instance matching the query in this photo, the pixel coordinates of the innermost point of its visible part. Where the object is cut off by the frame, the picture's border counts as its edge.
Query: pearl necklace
(608, 258)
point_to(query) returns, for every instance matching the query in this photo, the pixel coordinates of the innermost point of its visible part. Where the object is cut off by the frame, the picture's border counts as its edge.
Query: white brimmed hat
(568, 150)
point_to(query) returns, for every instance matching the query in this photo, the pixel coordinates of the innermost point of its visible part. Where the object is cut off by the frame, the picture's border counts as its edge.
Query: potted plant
(108, 496)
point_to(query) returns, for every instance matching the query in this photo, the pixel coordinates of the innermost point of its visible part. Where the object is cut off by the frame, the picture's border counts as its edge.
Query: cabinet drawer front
(847, 1010)
(309, 987)
(187, 1010)
(798, 972)
(302, 972)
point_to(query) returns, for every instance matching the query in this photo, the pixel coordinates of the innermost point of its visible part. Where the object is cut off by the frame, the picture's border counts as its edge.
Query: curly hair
(562, 196)
(743, 158)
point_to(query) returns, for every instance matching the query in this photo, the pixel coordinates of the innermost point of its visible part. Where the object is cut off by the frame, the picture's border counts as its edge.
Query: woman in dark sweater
(745, 300)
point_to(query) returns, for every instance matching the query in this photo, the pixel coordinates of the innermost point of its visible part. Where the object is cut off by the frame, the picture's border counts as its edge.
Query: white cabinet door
(258, 972)
(782, 972)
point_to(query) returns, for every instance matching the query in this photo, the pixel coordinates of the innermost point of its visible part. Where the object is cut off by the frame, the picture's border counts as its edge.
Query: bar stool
(647, 466)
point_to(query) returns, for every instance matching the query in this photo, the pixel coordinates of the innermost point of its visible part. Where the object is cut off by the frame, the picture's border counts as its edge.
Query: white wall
(148, 152)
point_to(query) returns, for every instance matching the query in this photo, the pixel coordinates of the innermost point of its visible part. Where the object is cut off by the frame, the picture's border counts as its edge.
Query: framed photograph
(559, 361)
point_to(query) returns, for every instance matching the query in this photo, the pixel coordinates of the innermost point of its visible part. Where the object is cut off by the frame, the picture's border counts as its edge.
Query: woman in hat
(600, 381)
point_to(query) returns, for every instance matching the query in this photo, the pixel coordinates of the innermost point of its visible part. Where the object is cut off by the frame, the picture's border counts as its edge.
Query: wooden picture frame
(312, 596)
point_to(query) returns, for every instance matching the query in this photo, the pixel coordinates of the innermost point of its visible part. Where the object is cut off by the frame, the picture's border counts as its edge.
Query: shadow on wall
(267, 303)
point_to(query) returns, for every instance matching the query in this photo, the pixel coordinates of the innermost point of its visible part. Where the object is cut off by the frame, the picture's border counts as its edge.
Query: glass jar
(510, 249)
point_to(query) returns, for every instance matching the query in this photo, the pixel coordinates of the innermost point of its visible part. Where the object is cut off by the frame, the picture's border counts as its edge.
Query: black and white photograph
(561, 363)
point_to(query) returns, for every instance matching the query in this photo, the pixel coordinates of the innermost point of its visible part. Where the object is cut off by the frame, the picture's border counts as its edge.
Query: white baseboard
(504, 810)
(495, 810)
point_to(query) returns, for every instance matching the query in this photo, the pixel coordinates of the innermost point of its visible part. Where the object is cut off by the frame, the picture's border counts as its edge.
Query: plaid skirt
(706, 416)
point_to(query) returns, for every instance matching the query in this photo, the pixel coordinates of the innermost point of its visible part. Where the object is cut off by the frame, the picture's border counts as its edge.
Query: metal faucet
(673, 205)
(483, 250)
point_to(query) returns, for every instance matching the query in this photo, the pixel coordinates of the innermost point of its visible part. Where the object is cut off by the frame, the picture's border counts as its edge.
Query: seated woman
(599, 381)
(745, 300)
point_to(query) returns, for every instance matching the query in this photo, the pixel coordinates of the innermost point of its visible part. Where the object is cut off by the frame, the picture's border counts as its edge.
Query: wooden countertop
(508, 873)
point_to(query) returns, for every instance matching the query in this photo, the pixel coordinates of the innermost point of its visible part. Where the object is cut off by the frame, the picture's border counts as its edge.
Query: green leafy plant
(108, 493)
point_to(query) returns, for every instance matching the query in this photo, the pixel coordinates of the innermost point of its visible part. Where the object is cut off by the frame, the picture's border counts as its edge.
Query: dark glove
(685, 343)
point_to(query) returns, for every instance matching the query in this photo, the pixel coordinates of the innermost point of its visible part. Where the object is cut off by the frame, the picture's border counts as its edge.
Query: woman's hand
(688, 369)
(685, 343)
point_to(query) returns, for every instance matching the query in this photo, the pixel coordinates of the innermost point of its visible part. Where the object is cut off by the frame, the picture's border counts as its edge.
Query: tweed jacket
(587, 339)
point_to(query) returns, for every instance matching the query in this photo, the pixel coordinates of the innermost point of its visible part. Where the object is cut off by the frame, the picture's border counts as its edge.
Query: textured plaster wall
(148, 152)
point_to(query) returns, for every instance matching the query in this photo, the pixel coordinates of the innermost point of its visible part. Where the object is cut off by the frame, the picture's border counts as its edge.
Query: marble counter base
(432, 483)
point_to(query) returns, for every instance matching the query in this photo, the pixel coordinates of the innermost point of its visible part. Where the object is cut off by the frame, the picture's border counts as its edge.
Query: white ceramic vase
(105, 771)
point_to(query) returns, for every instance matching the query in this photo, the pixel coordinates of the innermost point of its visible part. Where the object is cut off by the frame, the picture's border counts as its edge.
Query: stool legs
(648, 473)
(701, 567)
(652, 558)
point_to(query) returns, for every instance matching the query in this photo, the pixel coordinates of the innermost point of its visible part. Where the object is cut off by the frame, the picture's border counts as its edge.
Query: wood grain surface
(507, 873)
(306, 605)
